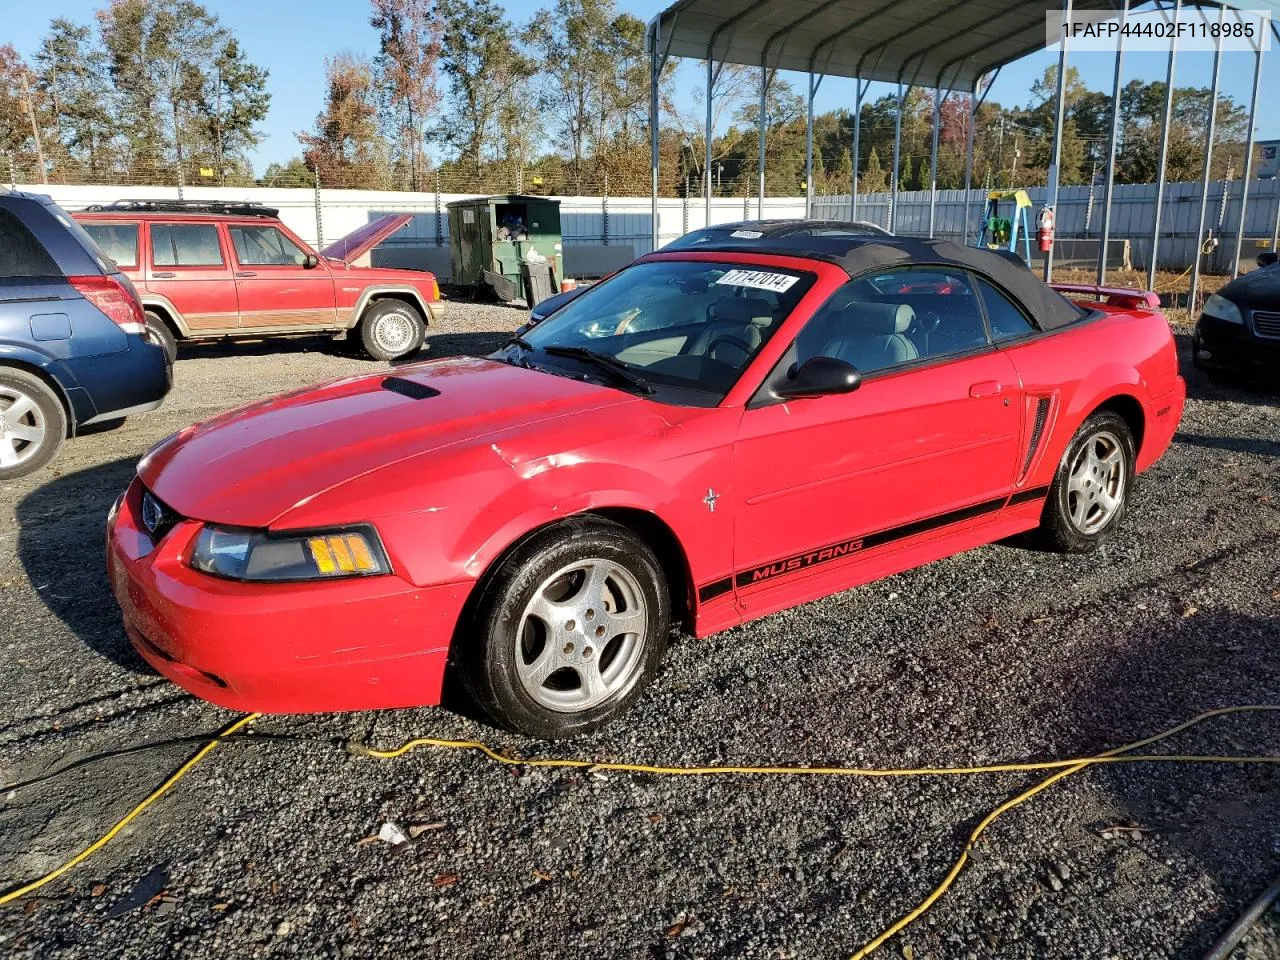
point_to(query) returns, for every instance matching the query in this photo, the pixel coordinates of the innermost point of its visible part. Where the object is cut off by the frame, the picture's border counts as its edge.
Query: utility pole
(1000, 146)
(30, 109)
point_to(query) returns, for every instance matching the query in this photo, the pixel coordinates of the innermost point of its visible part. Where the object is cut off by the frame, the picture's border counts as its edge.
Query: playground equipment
(1003, 233)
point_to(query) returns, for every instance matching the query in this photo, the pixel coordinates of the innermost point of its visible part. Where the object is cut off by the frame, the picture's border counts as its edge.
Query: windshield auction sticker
(1194, 28)
(759, 279)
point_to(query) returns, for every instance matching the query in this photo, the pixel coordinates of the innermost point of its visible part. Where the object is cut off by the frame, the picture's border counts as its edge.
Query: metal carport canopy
(948, 43)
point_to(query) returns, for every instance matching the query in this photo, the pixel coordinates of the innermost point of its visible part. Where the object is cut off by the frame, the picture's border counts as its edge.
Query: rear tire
(161, 335)
(33, 423)
(568, 631)
(1090, 493)
(391, 329)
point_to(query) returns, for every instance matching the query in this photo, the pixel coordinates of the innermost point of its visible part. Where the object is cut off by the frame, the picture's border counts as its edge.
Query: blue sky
(291, 40)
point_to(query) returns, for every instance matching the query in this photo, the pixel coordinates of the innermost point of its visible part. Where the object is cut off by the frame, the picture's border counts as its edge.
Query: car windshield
(685, 330)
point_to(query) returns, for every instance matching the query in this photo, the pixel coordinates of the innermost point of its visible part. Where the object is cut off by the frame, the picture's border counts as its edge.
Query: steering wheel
(733, 341)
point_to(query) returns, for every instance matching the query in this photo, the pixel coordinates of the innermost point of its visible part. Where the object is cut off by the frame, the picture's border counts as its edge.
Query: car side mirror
(1266, 258)
(310, 262)
(819, 377)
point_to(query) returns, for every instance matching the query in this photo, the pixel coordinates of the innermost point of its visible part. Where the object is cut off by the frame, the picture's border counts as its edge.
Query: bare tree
(410, 37)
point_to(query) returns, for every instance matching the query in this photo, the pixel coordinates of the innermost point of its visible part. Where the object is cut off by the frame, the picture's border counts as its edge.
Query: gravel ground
(1003, 653)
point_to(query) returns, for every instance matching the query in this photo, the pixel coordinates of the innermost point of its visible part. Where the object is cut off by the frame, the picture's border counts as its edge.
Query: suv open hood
(363, 239)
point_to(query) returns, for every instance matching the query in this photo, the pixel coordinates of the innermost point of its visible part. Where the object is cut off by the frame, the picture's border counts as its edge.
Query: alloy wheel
(22, 427)
(1096, 482)
(582, 636)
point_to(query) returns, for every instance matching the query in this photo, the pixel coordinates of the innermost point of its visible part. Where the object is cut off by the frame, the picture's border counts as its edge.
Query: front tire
(568, 630)
(1091, 490)
(392, 329)
(33, 423)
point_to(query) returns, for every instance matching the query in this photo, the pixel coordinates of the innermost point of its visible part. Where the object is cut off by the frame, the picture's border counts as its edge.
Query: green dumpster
(489, 237)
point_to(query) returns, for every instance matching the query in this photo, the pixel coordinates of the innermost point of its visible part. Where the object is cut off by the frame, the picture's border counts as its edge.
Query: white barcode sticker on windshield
(760, 279)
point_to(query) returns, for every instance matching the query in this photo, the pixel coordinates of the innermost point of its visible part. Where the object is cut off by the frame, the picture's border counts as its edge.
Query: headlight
(1222, 309)
(240, 554)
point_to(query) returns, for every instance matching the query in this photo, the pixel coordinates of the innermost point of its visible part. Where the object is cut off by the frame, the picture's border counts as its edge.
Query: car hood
(363, 239)
(249, 467)
(1257, 288)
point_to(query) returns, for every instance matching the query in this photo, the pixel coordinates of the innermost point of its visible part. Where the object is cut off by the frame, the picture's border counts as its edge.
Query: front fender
(551, 494)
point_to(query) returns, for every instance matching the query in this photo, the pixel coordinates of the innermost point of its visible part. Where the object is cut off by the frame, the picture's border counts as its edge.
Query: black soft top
(858, 255)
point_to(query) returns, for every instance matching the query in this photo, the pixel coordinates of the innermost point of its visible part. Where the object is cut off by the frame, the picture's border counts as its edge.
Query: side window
(21, 254)
(185, 245)
(1007, 320)
(119, 241)
(896, 317)
(265, 247)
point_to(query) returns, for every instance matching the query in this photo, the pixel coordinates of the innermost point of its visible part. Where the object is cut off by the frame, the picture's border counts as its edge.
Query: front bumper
(1233, 347)
(435, 309)
(277, 648)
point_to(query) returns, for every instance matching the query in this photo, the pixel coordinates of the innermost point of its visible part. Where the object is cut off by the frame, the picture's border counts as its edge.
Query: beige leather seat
(737, 322)
(873, 335)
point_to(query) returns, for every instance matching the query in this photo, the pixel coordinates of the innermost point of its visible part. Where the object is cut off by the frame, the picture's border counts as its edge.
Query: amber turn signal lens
(342, 553)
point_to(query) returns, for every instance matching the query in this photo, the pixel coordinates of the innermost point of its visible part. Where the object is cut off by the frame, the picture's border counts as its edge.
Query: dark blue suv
(74, 347)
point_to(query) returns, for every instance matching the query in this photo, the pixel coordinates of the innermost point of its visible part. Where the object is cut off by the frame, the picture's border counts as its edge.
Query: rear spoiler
(1125, 297)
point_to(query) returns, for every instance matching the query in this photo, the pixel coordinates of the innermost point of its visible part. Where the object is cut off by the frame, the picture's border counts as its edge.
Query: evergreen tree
(872, 179)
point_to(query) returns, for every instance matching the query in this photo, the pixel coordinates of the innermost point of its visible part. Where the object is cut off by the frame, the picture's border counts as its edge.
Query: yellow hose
(1063, 768)
(128, 818)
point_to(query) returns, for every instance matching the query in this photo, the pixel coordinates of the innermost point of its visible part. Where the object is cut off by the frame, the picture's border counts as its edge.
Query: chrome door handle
(987, 388)
(163, 276)
(245, 273)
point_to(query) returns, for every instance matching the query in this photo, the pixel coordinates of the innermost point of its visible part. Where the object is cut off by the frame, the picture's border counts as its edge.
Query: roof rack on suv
(241, 208)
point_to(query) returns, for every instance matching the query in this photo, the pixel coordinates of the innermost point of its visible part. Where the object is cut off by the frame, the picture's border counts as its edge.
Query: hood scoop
(409, 388)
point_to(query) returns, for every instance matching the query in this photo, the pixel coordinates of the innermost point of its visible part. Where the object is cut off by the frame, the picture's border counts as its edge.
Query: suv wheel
(32, 423)
(391, 329)
(568, 630)
(161, 335)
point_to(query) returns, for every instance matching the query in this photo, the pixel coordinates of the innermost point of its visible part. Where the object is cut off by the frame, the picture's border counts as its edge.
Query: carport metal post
(933, 161)
(808, 148)
(1248, 161)
(707, 157)
(974, 103)
(654, 68)
(1161, 175)
(711, 46)
(1212, 128)
(760, 133)
(1055, 160)
(897, 149)
(857, 137)
(1109, 190)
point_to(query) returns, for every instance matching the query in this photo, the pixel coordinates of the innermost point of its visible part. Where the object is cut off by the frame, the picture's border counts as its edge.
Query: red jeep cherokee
(210, 269)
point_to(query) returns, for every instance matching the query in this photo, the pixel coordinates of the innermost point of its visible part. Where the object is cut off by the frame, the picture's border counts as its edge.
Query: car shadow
(1218, 822)
(61, 537)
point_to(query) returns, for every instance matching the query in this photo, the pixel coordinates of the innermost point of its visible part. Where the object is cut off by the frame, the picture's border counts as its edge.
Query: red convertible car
(793, 417)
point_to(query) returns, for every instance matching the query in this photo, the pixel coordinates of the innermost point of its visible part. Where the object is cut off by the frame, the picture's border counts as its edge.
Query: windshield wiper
(605, 362)
(518, 360)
